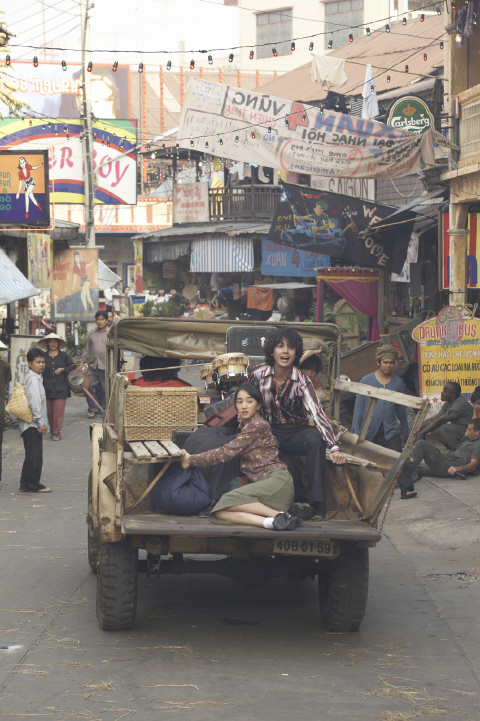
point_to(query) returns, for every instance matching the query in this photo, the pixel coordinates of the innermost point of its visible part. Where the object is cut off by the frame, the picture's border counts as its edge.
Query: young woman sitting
(265, 501)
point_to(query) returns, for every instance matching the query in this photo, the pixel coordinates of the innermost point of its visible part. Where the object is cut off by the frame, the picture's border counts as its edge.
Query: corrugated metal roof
(230, 228)
(381, 48)
(13, 284)
(222, 255)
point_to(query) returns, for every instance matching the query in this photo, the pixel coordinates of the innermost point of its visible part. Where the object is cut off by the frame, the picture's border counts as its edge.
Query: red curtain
(362, 294)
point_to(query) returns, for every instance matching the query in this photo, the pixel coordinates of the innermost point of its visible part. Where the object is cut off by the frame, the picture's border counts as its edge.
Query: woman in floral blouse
(266, 499)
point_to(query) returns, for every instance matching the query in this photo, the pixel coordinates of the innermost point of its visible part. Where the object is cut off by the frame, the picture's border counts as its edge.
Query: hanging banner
(473, 252)
(259, 298)
(114, 157)
(24, 194)
(190, 203)
(75, 285)
(326, 223)
(287, 261)
(138, 264)
(265, 130)
(40, 259)
(449, 350)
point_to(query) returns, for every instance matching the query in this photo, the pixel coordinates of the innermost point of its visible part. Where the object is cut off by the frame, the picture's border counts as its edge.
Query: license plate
(299, 547)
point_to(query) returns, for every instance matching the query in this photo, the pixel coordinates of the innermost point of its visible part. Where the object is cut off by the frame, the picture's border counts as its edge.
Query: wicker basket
(151, 414)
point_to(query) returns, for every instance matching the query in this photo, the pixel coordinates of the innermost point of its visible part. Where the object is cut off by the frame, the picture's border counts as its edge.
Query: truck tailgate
(161, 525)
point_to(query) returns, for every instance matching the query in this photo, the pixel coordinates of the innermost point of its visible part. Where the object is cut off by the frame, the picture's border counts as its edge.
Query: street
(204, 648)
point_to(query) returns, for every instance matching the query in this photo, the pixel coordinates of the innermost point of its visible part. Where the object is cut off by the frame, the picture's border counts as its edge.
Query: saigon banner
(449, 350)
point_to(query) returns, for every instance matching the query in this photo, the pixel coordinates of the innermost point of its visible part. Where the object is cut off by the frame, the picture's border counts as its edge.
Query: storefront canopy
(13, 284)
(222, 255)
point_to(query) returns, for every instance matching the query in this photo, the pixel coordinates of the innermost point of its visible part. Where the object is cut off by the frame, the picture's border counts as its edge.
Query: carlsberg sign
(410, 113)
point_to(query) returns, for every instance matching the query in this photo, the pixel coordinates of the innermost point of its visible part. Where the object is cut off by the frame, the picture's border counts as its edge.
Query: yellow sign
(449, 350)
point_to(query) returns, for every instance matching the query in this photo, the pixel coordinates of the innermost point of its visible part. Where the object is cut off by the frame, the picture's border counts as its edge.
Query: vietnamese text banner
(338, 225)
(284, 260)
(449, 350)
(265, 130)
(114, 157)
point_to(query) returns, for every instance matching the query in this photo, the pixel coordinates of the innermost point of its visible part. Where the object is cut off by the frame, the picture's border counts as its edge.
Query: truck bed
(158, 524)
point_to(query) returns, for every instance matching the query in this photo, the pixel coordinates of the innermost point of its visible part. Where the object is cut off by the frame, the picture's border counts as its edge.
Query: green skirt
(274, 490)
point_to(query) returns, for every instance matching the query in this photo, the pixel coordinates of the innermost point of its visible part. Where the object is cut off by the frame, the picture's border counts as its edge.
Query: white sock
(268, 523)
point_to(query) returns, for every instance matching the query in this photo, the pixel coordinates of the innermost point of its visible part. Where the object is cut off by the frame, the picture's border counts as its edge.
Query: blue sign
(284, 260)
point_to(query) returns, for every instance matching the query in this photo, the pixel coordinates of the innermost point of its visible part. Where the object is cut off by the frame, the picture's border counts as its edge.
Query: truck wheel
(93, 539)
(343, 590)
(117, 586)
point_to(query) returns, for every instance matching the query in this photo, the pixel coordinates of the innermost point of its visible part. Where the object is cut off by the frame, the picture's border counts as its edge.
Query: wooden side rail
(381, 394)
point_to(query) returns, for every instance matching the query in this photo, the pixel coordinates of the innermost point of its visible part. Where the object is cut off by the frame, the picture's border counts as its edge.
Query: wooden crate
(151, 414)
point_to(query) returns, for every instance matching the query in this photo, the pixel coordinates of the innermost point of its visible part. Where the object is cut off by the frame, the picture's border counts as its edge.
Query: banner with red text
(190, 203)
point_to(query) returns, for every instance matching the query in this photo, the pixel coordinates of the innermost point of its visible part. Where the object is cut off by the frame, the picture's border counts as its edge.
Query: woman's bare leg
(259, 509)
(246, 519)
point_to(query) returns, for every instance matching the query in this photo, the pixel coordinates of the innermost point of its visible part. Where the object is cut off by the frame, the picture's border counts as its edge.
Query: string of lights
(311, 37)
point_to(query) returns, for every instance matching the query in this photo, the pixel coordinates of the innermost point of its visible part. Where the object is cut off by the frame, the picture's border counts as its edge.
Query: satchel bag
(181, 492)
(18, 404)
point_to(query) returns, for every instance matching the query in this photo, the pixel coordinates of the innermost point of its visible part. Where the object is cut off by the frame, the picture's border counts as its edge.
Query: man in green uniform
(464, 459)
(5, 378)
(449, 425)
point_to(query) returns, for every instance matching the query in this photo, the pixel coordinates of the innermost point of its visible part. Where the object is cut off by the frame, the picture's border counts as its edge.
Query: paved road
(204, 649)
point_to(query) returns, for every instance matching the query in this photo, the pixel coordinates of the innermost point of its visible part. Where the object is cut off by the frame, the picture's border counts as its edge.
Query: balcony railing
(245, 202)
(469, 126)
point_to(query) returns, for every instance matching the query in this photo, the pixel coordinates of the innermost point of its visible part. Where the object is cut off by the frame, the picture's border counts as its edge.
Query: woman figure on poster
(25, 176)
(80, 271)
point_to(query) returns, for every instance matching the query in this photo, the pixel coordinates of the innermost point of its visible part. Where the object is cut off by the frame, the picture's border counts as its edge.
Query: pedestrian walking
(448, 426)
(465, 459)
(388, 427)
(58, 365)
(94, 357)
(5, 378)
(32, 433)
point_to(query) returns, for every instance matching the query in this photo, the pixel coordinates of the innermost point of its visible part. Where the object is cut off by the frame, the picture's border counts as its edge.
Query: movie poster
(40, 259)
(75, 285)
(24, 194)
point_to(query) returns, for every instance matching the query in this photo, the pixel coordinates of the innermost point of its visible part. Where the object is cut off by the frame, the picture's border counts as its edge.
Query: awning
(222, 255)
(160, 251)
(13, 284)
(285, 286)
(106, 277)
(231, 228)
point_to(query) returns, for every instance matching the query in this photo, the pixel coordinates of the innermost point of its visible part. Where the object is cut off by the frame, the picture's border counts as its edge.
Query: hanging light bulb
(94, 136)
(441, 45)
(236, 138)
(80, 137)
(115, 66)
(387, 28)
(192, 64)
(148, 147)
(230, 58)
(177, 146)
(372, 88)
(163, 146)
(108, 142)
(388, 78)
(304, 117)
(475, 18)
(169, 65)
(121, 144)
(30, 122)
(310, 47)
(64, 65)
(422, 17)
(35, 61)
(153, 156)
(406, 68)
(103, 140)
(454, 5)
(253, 135)
(140, 68)
(424, 56)
(68, 136)
(206, 143)
(337, 104)
(404, 21)
(369, 32)
(269, 130)
(210, 60)
(49, 125)
(330, 44)
(89, 67)
(56, 131)
(65, 129)
(292, 45)
(458, 37)
(287, 124)
(439, 10)
(350, 38)
(221, 141)
(274, 52)
(192, 143)
(251, 54)
(7, 60)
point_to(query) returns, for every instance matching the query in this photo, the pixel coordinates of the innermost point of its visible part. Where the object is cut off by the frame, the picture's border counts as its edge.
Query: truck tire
(117, 579)
(343, 590)
(93, 539)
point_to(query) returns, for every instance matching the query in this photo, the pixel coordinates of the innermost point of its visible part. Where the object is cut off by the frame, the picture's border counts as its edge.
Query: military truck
(133, 447)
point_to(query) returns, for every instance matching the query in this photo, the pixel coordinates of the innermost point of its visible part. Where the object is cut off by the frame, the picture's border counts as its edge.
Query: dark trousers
(97, 389)
(393, 444)
(2, 426)
(305, 441)
(33, 463)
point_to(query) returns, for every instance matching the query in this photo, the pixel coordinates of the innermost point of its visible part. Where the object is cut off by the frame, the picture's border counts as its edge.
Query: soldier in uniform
(449, 425)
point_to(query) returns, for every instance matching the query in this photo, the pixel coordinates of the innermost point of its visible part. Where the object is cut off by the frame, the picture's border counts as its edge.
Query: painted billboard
(284, 260)
(449, 350)
(40, 259)
(114, 154)
(24, 193)
(55, 91)
(473, 252)
(75, 285)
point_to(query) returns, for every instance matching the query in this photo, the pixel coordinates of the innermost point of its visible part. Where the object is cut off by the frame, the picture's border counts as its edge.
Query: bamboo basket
(151, 414)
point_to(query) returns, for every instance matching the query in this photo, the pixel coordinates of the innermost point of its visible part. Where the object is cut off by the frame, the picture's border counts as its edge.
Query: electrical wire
(65, 22)
(25, 31)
